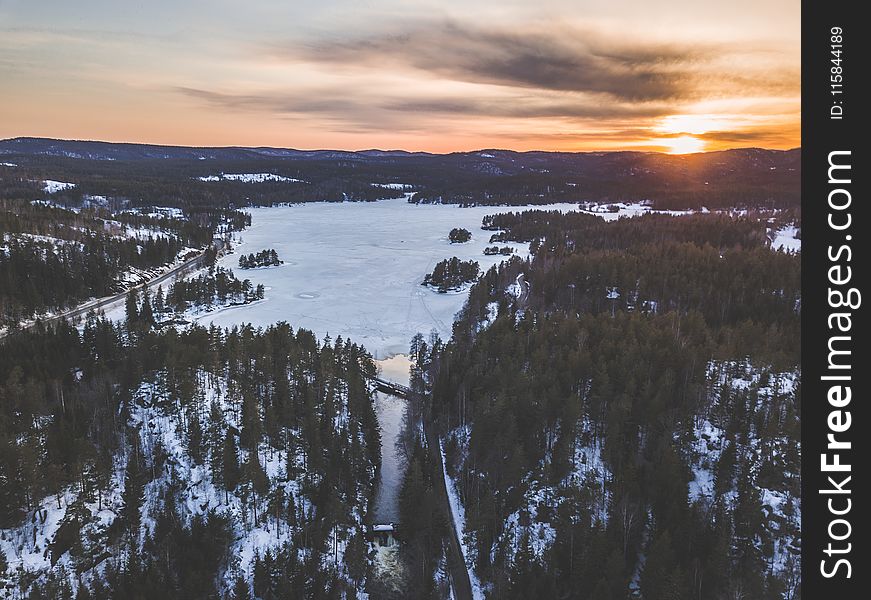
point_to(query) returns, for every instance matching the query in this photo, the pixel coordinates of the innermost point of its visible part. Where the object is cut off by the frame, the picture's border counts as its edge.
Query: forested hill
(203, 463)
(621, 413)
(182, 176)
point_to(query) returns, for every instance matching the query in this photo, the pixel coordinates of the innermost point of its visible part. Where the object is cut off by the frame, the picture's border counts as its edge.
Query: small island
(451, 274)
(264, 258)
(494, 250)
(458, 235)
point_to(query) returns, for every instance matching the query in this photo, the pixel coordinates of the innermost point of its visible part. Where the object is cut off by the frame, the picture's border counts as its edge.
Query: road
(99, 303)
(456, 561)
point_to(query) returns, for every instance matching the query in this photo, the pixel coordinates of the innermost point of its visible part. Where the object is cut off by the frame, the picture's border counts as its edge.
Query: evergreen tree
(231, 471)
(134, 491)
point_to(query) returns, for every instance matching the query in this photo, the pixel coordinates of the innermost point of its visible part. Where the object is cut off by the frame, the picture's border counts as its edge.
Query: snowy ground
(51, 186)
(250, 178)
(617, 210)
(355, 269)
(784, 239)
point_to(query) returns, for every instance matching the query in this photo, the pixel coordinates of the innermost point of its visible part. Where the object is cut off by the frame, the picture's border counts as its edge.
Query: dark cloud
(529, 108)
(562, 60)
(757, 135)
(341, 110)
(366, 112)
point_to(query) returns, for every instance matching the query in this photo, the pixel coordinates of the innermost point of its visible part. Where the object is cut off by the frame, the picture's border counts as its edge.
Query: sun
(684, 144)
(694, 124)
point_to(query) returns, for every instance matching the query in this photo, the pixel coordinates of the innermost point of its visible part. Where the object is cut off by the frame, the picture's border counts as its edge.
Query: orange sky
(436, 76)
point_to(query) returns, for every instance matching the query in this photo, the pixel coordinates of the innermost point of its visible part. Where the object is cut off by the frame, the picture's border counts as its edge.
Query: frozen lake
(355, 268)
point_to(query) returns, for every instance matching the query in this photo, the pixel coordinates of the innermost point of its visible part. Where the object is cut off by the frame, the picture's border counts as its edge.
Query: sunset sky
(665, 75)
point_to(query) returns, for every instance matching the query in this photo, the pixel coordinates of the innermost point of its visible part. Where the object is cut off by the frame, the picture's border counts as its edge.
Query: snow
(458, 516)
(250, 178)
(156, 212)
(393, 186)
(89, 200)
(155, 415)
(516, 288)
(541, 534)
(355, 269)
(708, 447)
(492, 314)
(28, 546)
(781, 508)
(785, 239)
(51, 186)
(617, 210)
(8, 164)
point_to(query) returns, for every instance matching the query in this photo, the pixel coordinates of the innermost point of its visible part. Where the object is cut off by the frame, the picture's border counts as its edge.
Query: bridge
(389, 387)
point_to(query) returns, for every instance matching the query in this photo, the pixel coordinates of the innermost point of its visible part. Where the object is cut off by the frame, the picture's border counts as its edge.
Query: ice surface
(355, 269)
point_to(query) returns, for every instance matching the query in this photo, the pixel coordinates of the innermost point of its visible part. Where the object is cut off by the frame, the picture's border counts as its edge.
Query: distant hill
(747, 177)
(95, 150)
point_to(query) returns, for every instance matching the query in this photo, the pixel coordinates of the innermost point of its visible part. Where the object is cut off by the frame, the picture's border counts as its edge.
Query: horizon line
(361, 150)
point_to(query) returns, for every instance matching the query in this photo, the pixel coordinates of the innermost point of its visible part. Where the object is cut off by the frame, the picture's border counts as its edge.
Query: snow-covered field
(616, 210)
(250, 178)
(51, 187)
(785, 239)
(355, 269)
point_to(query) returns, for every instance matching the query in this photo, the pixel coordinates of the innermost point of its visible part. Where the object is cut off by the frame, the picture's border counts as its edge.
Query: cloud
(334, 108)
(530, 107)
(782, 135)
(557, 59)
(358, 104)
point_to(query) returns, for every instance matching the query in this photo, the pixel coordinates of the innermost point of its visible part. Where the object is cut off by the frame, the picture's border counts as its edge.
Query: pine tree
(134, 491)
(241, 589)
(231, 471)
(146, 314)
(132, 308)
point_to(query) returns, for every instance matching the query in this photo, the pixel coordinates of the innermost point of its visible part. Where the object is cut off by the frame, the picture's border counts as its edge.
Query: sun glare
(685, 144)
(690, 123)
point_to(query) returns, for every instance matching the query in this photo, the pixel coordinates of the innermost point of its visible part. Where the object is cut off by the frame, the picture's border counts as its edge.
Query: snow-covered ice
(355, 268)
